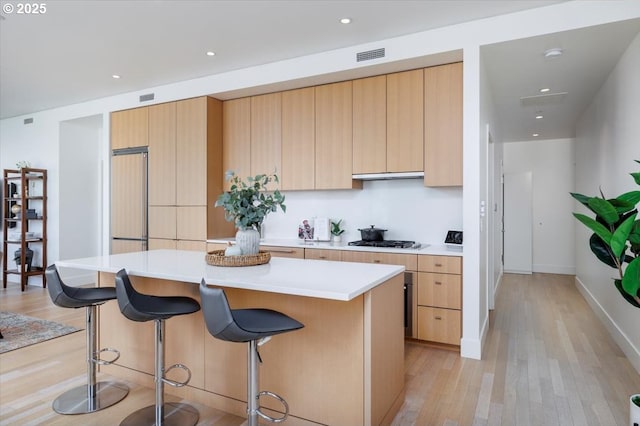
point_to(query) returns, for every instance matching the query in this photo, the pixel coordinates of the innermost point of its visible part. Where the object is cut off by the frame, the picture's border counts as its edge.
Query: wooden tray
(217, 258)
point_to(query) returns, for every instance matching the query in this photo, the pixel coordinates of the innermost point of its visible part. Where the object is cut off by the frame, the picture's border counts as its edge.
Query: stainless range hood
(386, 176)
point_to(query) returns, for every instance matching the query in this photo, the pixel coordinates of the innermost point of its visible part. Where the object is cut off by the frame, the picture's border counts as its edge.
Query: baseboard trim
(471, 348)
(555, 269)
(513, 271)
(632, 353)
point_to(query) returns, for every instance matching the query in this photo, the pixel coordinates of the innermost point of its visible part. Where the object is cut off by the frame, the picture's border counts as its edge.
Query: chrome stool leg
(253, 392)
(94, 395)
(169, 413)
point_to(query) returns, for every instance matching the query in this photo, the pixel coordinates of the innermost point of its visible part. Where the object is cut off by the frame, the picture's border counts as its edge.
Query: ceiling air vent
(370, 54)
(28, 120)
(147, 97)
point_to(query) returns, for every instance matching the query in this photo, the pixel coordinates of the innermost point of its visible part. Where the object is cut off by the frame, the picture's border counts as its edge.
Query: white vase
(634, 411)
(248, 240)
(336, 238)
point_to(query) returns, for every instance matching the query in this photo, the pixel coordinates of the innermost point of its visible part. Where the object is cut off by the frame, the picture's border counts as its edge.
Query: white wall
(607, 142)
(40, 141)
(551, 163)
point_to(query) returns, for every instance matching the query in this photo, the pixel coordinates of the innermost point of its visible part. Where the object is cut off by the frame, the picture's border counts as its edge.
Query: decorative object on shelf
(23, 165)
(218, 258)
(336, 231)
(616, 233)
(305, 230)
(232, 250)
(15, 209)
(247, 204)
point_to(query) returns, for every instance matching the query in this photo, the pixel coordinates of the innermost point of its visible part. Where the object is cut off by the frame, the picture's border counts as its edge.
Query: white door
(518, 206)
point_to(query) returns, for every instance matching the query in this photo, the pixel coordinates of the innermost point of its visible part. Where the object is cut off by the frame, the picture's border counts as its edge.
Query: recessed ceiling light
(345, 20)
(210, 53)
(544, 90)
(539, 116)
(553, 53)
(116, 76)
(535, 135)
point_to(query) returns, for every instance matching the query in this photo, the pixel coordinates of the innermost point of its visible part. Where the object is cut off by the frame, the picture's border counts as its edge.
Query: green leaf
(602, 251)
(596, 227)
(581, 198)
(604, 209)
(631, 279)
(620, 235)
(621, 206)
(626, 295)
(636, 177)
(632, 197)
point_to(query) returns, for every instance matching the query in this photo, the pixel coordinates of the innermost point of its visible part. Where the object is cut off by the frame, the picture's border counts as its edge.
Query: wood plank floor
(547, 361)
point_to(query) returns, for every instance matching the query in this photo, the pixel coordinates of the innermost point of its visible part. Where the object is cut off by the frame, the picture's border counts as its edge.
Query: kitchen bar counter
(345, 367)
(429, 249)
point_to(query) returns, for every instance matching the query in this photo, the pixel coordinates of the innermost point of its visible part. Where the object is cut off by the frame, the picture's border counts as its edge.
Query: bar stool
(253, 326)
(94, 395)
(141, 307)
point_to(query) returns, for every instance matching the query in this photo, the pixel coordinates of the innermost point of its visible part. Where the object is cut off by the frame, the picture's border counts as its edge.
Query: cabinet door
(320, 254)
(277, 251)
(236, 137)
(298, 139)
(191, 245)
(440, 264)
(160, 244)
(191, 223)
(370, 125)
(162, 154)
(191, 152)
(266, 133)
(334, 139)
(439, 325)
(440, 290)
(129, 128)
(405, 130)
(162, 222)
(408, 260)
(443, 125)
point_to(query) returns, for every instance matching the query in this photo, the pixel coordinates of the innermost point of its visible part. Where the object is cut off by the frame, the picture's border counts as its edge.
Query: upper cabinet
(443, 125)
(129, 128)
(298, 139)
(236, 137)
(266, 133)
(370, 125)
(405, 134)
(162, 161)
(334, 137)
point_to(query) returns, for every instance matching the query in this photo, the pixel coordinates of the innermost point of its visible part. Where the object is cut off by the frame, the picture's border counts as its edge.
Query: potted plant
(616, 242)
(336, 231)
(247, 204)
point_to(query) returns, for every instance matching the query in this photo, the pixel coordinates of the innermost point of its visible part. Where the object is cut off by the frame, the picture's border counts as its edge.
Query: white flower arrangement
(23, 164)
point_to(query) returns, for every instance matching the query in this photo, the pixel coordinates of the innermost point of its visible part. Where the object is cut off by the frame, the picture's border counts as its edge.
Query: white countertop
(431, 249)
(312, 278)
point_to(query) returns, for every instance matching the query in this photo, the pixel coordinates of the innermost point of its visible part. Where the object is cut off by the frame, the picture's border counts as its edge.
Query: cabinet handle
(280, 251)
(322, 257)
(438, 283)
(376, 261)
(438, 265)
(438, 318)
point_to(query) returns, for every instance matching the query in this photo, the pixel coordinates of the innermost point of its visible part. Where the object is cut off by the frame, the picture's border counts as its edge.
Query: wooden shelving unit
(25, 225)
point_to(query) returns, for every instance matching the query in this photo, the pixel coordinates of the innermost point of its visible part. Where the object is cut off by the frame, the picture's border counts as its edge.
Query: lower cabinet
(278, 251)
(319, 254)
(440, 299)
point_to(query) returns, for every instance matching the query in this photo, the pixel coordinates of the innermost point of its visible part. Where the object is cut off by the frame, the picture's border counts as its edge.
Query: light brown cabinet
(405, 131)
(130, 128)
(370, 125)
(298, 139)
(408, 260)
(443, 125)
(266, 133)
(236, 137)
(440, 299)
(320, 254)
(334, 138)
(279, 251)
(162, 158)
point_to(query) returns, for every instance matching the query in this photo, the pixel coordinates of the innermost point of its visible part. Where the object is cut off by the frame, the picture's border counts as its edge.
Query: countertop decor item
(218, 258)
(336, 230)
(247, 204)
(616, 237)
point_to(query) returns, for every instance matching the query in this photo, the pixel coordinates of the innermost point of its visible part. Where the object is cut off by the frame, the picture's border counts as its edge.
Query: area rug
(19, 331)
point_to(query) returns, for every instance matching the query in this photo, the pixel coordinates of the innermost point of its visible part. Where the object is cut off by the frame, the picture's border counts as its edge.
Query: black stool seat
(143, 307)
(94, 395)
(252, 326)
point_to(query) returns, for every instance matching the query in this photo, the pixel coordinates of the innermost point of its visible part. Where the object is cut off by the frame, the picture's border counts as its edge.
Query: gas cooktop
(385, 243)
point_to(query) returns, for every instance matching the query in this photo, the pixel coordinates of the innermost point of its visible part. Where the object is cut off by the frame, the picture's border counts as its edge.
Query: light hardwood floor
(547, 361)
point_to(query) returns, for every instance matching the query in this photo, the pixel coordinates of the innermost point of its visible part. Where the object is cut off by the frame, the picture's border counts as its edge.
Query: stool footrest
(175, 383)
(100, 361)
(282, 401)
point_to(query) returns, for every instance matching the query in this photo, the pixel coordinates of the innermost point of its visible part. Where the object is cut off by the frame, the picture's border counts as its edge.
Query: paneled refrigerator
(129, 195)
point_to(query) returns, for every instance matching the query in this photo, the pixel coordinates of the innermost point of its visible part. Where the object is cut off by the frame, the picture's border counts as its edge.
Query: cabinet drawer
(320, 254)
(441, 264)
(408, 260)
(439, 325)
(440, 290)
(277, 251)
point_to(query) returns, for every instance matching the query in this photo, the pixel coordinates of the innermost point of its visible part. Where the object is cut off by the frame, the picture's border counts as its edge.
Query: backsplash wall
(407, 209)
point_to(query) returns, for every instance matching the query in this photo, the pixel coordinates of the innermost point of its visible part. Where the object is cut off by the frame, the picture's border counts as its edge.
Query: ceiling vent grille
(147, 97)
(28, 120)
(370, 54)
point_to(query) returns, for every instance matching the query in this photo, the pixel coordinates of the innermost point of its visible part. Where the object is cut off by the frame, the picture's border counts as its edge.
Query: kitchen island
(346, 367)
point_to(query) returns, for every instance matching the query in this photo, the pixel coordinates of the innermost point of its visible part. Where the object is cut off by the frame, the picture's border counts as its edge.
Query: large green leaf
(602, 251)
(583, 199)
(626, 295)
(604, 209)
(636, 177)
(631, 279)
(620, 235)
(632, 197)
(596, 227)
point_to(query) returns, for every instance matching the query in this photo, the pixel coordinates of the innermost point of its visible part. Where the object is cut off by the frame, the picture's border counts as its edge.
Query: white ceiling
(68, 54)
